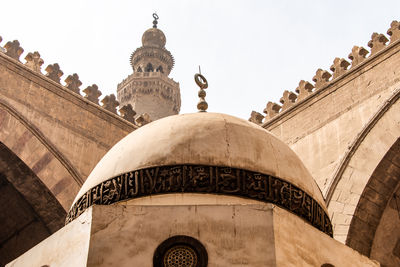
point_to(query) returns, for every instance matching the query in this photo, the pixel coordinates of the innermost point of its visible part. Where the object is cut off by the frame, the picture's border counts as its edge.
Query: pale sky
(249, 51)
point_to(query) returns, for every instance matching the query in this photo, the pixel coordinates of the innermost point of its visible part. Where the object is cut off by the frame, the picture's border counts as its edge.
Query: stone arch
(39, 155)
(359, 163)
(373, 202)
(29, 212)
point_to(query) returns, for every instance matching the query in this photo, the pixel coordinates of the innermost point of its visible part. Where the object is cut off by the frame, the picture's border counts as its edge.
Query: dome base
(214, 180)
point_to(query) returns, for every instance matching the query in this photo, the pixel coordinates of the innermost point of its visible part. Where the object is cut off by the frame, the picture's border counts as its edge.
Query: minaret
(149, 89)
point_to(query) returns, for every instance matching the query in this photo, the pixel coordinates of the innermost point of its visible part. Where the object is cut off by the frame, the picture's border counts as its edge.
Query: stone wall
(75, 130)
(343, 124)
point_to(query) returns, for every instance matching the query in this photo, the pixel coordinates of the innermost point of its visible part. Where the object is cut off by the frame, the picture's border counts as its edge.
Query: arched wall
(373, 202)
(358, 165)
(46, 162)
(29, 212)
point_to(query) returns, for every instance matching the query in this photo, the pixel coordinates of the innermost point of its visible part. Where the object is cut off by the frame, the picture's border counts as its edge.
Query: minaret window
(149, 68)
(139, 69)
(160, 69)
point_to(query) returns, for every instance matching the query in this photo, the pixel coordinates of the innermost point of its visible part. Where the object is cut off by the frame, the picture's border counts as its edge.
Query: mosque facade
(314, 181)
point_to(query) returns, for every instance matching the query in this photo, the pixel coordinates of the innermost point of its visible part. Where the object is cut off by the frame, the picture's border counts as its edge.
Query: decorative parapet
(13, 49)
(256, 117)
(271, 110)
(393, 32)
(358, 54)
(128, 113)
(54, 72)
(110, 103)
(288, 99)
(92, 93)
(73, 83)
(377, 43)
(143, 119)
(339, 68)
(2, 50)
(34, 61)
(304, 89)
(321, 78)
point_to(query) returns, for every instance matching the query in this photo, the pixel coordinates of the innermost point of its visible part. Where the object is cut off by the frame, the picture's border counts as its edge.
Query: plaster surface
(67, 247)
(233, 235)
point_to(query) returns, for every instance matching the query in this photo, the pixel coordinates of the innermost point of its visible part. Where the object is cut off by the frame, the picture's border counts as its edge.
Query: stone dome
(206, 139)
(154, 37)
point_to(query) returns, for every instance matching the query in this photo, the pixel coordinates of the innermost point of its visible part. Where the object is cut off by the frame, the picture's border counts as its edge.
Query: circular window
(180, 256)
(180, 251)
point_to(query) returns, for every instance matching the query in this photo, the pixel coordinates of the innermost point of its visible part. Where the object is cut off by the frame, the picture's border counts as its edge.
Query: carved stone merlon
(304, 89)
(394, 31)
(13, 49)
(143, 119)
(73, 83)
(272, 109)
(34, 61)
(339, 67)
(256, 117)
(54, 72)
(128, 113)
(2, 50)
(110, 103)
(357, 55)
(288, 99)
(321, 78)
(377, 43)
(92, 93)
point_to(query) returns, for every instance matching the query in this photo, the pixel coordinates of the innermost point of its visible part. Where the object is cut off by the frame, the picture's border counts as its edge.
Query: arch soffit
(37, 152)
(375, 198)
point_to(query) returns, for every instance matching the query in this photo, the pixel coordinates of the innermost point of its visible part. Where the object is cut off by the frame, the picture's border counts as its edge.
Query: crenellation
(73, 83)
(34, 61)
(271, 110)
(54, 72)
(13, 49)
(110, 103)
(321, 78)
(288, 99)
(377, 42)
(92, 93)
(143, 119)
(128, 113)
(358, 54)
(256, 117)
(304, 89)
(339, 67)
(394, 31)
(2, 50)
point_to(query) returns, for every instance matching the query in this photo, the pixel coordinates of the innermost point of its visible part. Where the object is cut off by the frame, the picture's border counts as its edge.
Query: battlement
(34, 62)
(324, 79)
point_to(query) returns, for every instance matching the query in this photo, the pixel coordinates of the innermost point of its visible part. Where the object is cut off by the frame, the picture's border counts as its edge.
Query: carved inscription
(205, 179)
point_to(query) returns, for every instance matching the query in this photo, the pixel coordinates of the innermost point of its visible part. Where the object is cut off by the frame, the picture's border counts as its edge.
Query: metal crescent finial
(155, 16)
(201, 81)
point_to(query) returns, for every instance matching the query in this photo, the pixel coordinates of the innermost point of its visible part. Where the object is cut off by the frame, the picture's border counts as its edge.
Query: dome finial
(155, 16)
(201, 81)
